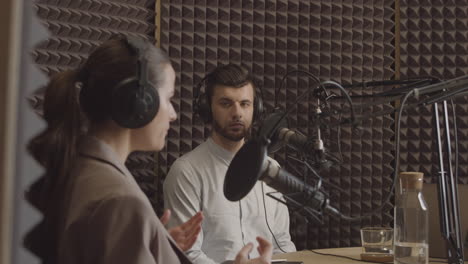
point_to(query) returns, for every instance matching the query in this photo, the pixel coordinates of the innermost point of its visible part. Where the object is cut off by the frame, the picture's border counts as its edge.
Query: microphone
(250, 164)
(282, 135)
(284, 182)
(296, 140)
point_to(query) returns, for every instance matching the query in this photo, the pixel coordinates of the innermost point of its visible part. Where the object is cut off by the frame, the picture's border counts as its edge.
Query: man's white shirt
(195, 183)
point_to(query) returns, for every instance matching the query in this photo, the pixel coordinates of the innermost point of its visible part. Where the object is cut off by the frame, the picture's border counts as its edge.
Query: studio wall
(344, 41)
(434, 42)
(76, 28)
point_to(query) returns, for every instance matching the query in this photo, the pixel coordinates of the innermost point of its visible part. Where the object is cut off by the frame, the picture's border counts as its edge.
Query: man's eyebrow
(225, 99)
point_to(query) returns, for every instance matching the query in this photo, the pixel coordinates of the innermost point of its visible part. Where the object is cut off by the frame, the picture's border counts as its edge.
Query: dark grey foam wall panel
(433, 43)
(77, 27)
(346, 41)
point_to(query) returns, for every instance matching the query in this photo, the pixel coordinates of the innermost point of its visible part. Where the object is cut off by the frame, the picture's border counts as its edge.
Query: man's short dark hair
(230, 75)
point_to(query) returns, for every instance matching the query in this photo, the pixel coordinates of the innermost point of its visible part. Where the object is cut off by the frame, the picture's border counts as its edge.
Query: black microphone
(275, 128)
(294, 139)
(284, 182)
(301, 143)
(282, 135)
(250, 164)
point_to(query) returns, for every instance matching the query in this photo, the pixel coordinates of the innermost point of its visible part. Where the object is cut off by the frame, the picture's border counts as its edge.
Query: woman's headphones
(134, 101)
(202, 104)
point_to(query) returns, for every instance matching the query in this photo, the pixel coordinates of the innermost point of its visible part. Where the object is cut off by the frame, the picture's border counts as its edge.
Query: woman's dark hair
(73, 100)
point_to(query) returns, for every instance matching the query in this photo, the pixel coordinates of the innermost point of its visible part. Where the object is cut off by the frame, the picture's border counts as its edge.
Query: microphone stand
(449, 208)
(447, 184)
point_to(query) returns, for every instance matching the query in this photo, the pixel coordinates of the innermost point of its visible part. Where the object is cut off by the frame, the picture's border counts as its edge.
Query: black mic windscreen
(244, 170)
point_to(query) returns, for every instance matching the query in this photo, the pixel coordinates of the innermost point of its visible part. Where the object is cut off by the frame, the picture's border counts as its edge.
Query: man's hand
(186, 234)
(265, 249)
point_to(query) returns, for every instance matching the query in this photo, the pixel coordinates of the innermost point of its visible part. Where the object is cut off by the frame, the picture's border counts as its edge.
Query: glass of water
(377, 240)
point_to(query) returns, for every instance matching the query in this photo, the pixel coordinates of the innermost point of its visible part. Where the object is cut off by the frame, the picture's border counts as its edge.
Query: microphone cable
(395, 173)
(344, 257)
(301, 96)
(397, 149)
(241, 225)
(397, 164)
(315, 78)
(266, 220)
(397, 158)
(397, 137)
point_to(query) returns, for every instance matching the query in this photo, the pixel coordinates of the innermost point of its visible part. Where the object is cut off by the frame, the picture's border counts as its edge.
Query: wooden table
(309, 257)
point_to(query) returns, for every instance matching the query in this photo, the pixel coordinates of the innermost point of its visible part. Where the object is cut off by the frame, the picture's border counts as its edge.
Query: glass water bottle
(411, 221)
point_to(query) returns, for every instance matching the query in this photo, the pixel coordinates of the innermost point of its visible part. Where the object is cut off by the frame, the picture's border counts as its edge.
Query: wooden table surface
(309, 257)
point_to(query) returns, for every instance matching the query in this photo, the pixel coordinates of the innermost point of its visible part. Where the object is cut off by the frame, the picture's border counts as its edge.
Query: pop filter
(245, 169)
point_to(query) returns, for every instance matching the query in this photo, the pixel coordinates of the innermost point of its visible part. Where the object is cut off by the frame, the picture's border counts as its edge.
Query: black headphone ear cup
(204, 108)
(133, 106)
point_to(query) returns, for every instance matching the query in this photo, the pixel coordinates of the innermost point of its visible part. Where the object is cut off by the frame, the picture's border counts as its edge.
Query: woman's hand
(186, 234)
(265, 249)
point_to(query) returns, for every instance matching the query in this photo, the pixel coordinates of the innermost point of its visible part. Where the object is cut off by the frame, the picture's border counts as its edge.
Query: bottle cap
(411, 180)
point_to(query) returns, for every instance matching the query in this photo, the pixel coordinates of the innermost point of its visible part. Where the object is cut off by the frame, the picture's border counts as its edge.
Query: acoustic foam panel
(77, 27)
(346, 41)
(433, 43)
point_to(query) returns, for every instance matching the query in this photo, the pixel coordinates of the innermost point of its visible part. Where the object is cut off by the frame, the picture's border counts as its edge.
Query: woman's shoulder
(99, 183)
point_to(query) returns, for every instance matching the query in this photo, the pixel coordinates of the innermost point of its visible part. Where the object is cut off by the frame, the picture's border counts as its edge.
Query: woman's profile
(117, 102)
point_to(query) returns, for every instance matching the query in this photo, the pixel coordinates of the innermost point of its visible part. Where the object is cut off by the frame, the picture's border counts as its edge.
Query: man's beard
(245, 133)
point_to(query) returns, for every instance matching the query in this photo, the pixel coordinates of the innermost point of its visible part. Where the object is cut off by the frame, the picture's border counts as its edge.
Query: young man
(195, 181)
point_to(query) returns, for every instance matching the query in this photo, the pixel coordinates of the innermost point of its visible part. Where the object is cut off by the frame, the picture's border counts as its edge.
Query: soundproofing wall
(77, 27)
(24, 124)
(344, 41)
(433, 43)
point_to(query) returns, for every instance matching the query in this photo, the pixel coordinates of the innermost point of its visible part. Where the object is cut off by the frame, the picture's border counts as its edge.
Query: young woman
(94, 210)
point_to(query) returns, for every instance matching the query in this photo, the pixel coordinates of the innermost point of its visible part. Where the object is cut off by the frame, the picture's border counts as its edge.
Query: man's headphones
(202, 104)
(134, 101)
